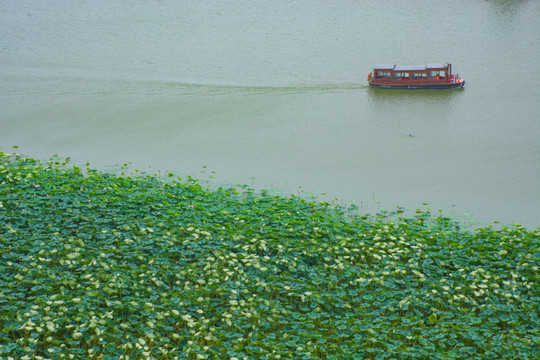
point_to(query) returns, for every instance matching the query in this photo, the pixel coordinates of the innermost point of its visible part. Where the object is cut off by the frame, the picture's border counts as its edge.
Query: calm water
(273, 94)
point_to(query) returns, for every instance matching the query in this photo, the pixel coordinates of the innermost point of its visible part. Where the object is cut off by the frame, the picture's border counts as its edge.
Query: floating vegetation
(100, 266)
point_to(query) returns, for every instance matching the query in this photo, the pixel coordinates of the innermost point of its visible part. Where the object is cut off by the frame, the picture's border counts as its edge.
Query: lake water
(273, 94)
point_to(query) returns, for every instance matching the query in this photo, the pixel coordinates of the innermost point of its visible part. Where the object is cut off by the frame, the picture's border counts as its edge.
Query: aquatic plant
(100, 266)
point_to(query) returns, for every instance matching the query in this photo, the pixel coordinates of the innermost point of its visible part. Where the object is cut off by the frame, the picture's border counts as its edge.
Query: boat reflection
(382, 97)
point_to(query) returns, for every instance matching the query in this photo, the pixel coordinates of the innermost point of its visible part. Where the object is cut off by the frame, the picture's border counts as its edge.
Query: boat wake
(201, 88)
(99, 85)
(93, 84)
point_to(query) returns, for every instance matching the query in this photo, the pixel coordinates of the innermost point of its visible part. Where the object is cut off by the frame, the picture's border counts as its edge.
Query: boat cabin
(423, 76)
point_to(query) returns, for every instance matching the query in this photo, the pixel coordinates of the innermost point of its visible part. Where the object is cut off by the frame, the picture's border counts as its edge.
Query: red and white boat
(432, 76)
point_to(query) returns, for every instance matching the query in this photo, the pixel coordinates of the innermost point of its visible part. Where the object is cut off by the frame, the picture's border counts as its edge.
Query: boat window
(382, 74)
(401, 75)
(419, 76)
(440, 74)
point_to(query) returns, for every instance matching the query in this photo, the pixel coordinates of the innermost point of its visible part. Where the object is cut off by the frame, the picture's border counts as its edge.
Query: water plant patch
(100, 266)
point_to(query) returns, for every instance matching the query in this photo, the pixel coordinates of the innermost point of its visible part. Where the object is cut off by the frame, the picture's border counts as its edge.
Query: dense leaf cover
(100, 266)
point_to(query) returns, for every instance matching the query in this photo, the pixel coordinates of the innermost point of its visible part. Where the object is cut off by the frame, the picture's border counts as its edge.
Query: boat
(432, 76)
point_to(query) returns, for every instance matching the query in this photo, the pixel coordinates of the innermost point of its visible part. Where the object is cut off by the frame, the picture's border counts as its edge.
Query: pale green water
(273, 94)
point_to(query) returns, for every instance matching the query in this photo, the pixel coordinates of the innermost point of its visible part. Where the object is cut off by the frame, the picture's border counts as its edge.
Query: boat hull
(456, 85)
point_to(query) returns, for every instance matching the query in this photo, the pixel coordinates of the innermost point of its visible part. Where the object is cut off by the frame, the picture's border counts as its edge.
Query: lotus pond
(102, 266)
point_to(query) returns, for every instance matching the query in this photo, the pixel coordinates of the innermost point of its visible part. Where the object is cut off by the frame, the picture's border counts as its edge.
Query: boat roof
(384, 67)
(437, 66)
(410, 67)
